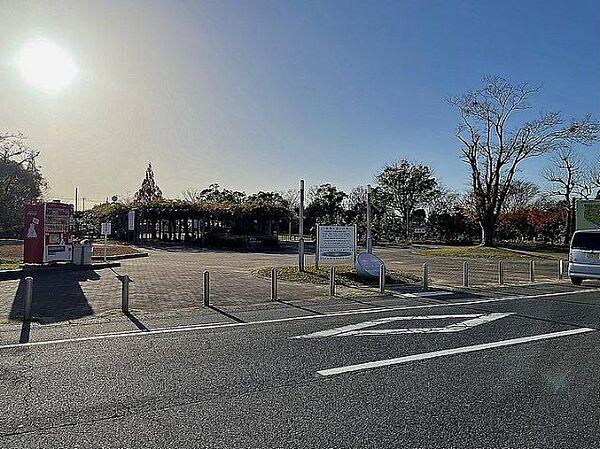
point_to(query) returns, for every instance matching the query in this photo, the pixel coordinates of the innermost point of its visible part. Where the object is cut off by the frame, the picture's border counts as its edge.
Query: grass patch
(481, 252)
(344, 275)
(8, 264)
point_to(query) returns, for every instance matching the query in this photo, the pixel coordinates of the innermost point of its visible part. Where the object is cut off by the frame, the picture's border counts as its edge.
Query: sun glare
(46, 66)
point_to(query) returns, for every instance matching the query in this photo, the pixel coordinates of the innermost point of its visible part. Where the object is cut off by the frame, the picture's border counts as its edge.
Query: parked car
(584, 256)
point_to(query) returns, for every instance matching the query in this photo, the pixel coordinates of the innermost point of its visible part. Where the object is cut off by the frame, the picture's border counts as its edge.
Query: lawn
(344, 275)
(8, 264)
(478, 252)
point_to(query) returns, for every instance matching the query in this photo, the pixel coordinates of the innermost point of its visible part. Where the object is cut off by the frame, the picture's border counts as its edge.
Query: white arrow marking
(356, 329)
(447, 352)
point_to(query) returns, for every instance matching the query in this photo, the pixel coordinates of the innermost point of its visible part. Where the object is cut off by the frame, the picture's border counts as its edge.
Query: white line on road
(445, 352)
(196, 327)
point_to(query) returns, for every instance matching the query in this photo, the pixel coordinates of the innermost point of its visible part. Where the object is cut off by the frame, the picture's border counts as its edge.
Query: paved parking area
(171, 278)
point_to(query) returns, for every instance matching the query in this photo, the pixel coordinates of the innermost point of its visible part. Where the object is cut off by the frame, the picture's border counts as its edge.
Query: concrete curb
(121, 256)
(6, 275)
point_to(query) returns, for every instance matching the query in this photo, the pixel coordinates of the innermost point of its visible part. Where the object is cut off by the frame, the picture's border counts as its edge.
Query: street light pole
(369, 238)
(301, 228)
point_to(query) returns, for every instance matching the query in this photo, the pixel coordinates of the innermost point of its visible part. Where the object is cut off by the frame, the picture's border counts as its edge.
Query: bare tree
(494, 149)
(565, 173)
(292, 200)
(520, 195)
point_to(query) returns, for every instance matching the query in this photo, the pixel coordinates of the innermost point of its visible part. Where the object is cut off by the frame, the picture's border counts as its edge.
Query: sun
(46, 66)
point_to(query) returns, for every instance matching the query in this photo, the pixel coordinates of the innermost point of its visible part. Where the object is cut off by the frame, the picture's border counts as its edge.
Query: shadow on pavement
(25, 330)
(56, 296)
(306, 309)
(228, 315)
(141, 326)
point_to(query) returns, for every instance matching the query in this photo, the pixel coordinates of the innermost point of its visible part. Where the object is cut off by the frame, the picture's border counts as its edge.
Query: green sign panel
(587, 214)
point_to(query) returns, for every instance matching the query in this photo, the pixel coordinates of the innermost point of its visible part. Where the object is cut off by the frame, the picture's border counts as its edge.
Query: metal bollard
(425, 276)
(273, 284)
(532, 271)
(332, 281)
(206, 287)
(28, 298)
(125, 293)
(465, 274)
(500, 273)
(561, 270)
(382, 278)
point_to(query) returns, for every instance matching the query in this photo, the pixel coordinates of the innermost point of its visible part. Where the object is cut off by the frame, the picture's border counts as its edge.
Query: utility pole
(369, 237)
(301, 228)
(76, 198)
(83, 205)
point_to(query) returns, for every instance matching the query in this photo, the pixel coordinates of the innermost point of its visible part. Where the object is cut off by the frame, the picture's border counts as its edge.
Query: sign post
(369, 238)
(301, 228)
(105, 231)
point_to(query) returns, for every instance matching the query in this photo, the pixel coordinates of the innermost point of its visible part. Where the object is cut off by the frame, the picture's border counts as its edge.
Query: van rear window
(586, 240)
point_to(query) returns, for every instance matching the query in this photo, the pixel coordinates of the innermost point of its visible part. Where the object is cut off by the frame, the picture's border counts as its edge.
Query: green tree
(149, 190)
(406, 186)
(20, 182)
(326, 206)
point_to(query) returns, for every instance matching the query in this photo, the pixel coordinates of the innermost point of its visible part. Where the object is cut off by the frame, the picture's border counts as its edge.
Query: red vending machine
(48, 232)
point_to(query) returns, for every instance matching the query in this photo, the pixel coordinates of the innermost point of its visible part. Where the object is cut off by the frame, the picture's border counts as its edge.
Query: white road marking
(445, 352)
(139, 333)
(356, 329)
(426, 294)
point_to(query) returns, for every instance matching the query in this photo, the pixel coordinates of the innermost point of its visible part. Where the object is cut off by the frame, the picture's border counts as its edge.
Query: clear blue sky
(255, 94)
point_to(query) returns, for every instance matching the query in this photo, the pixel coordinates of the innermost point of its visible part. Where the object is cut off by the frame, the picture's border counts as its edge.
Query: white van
(584, 256)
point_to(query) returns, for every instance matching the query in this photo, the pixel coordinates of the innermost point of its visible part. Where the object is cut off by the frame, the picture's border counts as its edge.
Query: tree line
(498, 131)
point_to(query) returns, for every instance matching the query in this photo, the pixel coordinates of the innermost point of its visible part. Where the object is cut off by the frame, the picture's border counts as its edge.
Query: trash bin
(82, 253)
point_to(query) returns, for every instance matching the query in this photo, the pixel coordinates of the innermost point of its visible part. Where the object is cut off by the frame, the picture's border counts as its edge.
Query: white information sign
(105, 229)
(336, 244)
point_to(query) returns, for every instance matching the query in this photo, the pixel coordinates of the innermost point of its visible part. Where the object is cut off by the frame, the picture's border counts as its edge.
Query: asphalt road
(505, 369)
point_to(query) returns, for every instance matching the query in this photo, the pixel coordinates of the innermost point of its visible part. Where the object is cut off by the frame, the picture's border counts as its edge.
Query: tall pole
(83, 205)
(301, 228)
(76, 198)
(369, 238)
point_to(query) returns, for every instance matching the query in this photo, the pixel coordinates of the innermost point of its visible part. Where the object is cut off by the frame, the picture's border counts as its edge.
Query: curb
(6, 275)
(121, 256)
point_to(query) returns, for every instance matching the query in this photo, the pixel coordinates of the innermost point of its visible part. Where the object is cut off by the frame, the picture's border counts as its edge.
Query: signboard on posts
(587, 214)
(105, 229)
(335, 245)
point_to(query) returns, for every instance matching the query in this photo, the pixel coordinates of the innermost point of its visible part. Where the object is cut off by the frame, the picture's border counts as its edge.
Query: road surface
(508, 368)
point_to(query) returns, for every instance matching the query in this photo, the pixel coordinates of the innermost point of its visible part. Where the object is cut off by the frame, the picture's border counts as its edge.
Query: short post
(206, 287)
(28, 298)
(382, 278)
(465, 280)
(332, 281)
(425, 276)
(500, 273)
(105, 244)
(273, 284)
(561, 269)
(532, 271)
(125, 293)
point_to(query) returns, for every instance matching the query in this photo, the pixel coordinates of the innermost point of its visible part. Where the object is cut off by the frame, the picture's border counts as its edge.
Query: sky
(255, 95)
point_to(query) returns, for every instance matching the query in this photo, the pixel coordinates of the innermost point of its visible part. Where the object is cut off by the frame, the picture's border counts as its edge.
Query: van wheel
(576, 281)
